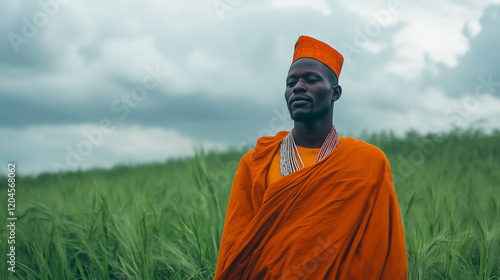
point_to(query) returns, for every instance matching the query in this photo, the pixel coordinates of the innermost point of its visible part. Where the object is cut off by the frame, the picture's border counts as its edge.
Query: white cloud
(435, 31)
(473, 27)
(316, 5)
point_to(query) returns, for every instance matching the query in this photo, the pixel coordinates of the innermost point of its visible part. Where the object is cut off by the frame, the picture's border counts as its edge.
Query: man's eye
(311, 81)
(291, 84)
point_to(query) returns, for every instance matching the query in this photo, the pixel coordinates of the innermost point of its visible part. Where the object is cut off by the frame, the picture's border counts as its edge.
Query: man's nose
(299, 86)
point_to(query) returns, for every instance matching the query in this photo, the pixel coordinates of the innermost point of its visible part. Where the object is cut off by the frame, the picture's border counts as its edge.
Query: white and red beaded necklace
(288, 148)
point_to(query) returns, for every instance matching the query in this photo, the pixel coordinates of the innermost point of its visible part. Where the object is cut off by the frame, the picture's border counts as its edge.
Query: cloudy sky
(92, 83)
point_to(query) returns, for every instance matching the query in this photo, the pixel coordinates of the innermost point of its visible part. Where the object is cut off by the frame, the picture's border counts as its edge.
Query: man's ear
(336, 92)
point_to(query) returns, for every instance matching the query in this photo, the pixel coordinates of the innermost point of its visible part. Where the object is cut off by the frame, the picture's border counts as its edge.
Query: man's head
(312, 81)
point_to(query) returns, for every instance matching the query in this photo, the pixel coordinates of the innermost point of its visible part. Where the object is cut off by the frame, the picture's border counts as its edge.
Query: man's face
(308, 91)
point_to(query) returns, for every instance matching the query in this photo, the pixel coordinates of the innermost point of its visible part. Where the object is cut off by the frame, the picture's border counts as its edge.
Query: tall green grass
(165, 221)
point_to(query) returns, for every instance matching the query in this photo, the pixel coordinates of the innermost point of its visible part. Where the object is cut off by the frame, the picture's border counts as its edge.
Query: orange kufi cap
(309, 47)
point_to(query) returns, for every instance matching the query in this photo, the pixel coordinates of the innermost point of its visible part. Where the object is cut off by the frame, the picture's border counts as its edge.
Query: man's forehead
(306, 65)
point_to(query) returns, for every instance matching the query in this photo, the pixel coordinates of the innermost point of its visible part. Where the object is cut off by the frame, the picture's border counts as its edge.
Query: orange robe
(336, 219)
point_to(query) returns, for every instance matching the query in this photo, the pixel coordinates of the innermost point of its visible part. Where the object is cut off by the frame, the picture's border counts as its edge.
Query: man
(308, 203)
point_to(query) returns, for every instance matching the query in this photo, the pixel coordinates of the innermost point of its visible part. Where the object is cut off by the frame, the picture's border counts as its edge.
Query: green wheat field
(165, 220)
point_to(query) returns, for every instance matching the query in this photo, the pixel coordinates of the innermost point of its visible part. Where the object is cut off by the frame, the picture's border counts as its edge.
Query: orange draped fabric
(336, 219)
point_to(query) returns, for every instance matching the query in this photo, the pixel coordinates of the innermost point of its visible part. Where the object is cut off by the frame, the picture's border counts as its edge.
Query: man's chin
(302, 117)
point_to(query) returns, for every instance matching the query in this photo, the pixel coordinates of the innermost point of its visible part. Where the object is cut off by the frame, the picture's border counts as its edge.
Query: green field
(165, 221)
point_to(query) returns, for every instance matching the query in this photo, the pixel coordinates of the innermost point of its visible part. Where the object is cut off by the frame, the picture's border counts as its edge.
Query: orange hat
(309, 47)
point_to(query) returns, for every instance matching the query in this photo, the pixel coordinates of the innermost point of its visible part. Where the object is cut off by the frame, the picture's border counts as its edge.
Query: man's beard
(307, 117)
(303, 117)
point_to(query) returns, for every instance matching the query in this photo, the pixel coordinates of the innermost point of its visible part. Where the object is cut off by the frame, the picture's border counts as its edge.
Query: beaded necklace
(288, 148)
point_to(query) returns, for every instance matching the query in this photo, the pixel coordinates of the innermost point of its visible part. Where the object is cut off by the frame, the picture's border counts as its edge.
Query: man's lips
(299, 100)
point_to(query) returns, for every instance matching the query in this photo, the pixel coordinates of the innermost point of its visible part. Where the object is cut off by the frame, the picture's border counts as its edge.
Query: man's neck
(311, 135)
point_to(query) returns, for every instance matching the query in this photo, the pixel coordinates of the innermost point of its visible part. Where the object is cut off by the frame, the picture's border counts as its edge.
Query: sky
(87, 84)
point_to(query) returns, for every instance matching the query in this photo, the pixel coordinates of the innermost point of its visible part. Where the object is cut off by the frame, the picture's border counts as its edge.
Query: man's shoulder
(270, 140)
(247, 156)
(357, 147)
(265, 146)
